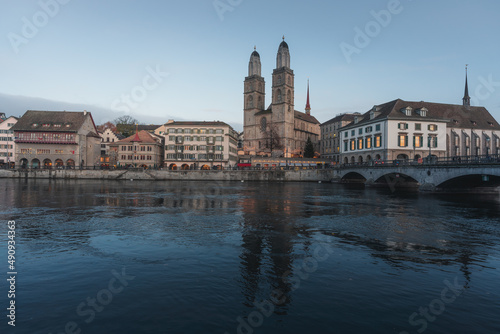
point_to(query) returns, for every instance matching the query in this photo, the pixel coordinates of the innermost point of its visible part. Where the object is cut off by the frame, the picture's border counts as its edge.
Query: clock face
(263, 124)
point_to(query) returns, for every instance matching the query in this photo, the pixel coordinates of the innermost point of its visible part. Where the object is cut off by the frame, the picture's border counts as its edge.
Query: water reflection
(233, 242)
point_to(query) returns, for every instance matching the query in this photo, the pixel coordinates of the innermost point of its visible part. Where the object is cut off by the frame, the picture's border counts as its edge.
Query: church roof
(305, 117)
(457, 116)
(264, 112)
(255, 54)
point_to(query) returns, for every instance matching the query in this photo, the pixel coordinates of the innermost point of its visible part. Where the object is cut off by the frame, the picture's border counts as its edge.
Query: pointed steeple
(466, 99)
(308, 105)
(136, 138)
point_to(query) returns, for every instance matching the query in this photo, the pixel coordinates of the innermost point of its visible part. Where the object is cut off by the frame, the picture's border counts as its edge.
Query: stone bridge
(446, 177)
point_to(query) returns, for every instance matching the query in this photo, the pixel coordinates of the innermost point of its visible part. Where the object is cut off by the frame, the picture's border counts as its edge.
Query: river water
(230, 257)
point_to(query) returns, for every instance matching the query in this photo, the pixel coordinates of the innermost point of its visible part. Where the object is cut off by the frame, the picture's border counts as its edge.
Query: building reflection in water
(270, 242)
(276, 232)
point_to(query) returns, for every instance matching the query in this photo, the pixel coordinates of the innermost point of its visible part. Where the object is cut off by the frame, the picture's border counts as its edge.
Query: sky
(187, 60)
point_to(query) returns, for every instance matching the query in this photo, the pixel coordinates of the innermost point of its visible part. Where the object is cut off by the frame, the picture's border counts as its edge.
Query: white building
(200, 145)
(407, 130)
(108, 156)
(7, 144)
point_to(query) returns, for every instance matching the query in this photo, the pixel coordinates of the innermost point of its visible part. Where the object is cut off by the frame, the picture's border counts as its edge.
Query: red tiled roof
(143, 137)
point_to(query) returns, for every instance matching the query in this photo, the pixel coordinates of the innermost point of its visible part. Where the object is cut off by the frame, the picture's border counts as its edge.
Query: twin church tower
(278, 130)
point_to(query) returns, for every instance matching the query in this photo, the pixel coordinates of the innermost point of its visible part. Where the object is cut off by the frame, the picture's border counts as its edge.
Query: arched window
(278, 96)
(289, 96)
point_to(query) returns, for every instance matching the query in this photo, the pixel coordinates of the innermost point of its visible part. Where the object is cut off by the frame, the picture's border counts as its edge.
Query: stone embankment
(306, 175)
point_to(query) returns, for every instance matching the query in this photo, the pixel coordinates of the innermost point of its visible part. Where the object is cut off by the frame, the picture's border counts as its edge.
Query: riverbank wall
(306, 175)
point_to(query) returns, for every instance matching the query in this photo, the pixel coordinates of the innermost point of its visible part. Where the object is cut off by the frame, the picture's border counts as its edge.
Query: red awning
(244, 165)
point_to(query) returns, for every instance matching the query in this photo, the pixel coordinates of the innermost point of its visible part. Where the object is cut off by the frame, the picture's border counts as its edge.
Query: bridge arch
(396, 180)
(353, 177)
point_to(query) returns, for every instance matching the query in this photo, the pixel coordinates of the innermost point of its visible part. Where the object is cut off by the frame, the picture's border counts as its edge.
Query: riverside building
(405, 130)
(200, 145)
(46, 139)
(7, 144)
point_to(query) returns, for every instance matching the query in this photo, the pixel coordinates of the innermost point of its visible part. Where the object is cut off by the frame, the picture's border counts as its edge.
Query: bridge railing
(493, 159)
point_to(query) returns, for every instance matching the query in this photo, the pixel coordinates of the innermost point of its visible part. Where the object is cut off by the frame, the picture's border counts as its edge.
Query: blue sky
(92, 53)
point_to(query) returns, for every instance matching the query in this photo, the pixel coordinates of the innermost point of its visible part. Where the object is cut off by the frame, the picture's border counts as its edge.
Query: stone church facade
(279, 130)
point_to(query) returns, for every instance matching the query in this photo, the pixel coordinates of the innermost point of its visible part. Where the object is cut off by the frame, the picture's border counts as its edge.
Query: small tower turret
(466, 98)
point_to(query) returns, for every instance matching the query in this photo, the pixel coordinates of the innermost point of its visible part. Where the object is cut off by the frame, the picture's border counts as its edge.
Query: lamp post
(429, 141)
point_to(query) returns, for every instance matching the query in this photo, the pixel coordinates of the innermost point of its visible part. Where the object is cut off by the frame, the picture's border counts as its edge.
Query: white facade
(404, 130)
(394, 139)
(7, 144)
(200, 145)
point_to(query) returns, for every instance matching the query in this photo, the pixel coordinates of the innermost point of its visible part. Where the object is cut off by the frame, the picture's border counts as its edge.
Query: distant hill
(13, 105)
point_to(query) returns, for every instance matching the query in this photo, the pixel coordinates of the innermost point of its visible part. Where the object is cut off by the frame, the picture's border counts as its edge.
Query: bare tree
(125, 125)
(273, 140)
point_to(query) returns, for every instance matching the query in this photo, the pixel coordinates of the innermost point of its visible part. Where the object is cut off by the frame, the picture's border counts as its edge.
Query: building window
(377, 127)
(346, 134)
(368, 144)
(369, 129)
(432, 127)
(360, 131)
(378, 141)
(417, 141)
(403, 126)
(360, 143)
(346, 146)
(353, 133)
(353, 144)
(403, 140)
(418, 126)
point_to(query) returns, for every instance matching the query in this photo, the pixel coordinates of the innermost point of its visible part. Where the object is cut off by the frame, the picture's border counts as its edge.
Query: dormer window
(407, 111)
(422, 112)
(45, 125)
(473, 122)
(356, 119)
(372, 114)
(35, 125)
(57, 125)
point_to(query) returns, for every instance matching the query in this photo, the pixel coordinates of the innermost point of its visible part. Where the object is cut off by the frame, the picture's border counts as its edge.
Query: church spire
(466, 98)
(308, 105)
